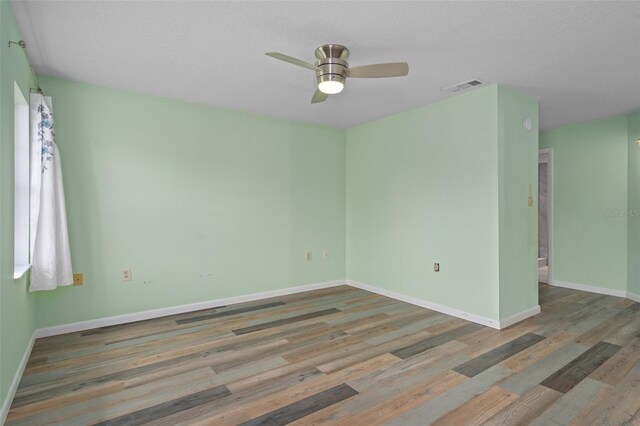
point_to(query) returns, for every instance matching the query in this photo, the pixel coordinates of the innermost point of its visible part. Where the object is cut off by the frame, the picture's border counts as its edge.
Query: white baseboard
(173, 310)
(633, 296)
(6, 404)
(429, 305)
(515, 318)
(589, 288)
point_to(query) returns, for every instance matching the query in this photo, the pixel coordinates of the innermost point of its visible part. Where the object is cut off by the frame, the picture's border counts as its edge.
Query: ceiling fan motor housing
(332, 63)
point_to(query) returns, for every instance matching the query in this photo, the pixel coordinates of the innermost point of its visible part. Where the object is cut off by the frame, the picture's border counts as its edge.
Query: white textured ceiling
(580, 60)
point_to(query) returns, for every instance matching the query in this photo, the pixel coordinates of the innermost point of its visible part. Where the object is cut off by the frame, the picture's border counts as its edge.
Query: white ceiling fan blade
(319, 97)
(392, 69)
(292, 60)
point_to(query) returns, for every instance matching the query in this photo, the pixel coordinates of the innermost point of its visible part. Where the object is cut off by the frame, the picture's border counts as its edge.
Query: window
(21, 179)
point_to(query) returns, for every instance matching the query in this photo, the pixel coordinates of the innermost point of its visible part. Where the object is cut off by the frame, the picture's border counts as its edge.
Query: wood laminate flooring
(343, 356)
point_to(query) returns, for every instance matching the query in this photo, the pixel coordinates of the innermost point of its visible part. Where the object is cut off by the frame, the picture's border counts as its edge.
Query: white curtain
(50, 254)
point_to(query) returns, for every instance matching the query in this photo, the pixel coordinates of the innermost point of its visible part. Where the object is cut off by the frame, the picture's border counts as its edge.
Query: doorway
(545, 219)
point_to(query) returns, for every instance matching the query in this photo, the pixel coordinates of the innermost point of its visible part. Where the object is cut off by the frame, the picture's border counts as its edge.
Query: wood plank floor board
(499, 354)
(453, 398)
(304, 407)
(343, 356)
(434, 341)
(479, 409)
(482, 342)
(167, 408)
(414, 327)
(32, 383)
(614, 370)
(625, 334)
(570, 375)
(383, 408)
(537, 352)
(406, 374)
(236, 361)
(227, 313)
(533, 375)
(158, 369)
(622, 404)
(254, 393)
(569, 405)
(87, 411)
(387, 347)
(526, 408)
(289, 320)
(608, 327)
(265, 403)
(589, 319)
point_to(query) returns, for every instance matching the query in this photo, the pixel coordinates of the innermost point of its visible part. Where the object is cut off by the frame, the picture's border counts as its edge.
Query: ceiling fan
(332, 69)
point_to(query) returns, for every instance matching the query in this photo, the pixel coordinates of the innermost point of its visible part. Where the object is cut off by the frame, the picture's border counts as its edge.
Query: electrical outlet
(307, 256)
(77, 279)
(325, 254)
(436, 267)
(126, 274)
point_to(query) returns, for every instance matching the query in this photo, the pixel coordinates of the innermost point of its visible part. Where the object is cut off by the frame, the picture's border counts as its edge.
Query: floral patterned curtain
(50, 253)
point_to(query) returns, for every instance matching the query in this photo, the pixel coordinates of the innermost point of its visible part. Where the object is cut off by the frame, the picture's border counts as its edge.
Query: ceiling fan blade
(392, 69)
(319, 97)
(292, 60)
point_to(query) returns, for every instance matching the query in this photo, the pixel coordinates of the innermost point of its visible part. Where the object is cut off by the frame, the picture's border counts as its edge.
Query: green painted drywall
(17, 307)
(518, 173)
(422, 187)
(590, 162)
(447, 183)
(633, 246)
(202, 203)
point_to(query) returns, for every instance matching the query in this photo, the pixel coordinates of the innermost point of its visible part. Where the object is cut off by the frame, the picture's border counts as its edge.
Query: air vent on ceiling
(463, 86)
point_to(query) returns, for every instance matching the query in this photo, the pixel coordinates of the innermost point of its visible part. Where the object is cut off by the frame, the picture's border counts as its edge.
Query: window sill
(20, 270)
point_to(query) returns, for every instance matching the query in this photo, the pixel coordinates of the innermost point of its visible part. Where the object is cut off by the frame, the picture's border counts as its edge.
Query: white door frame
(550, 190)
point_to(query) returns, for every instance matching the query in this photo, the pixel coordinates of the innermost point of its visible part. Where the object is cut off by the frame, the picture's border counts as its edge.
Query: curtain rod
(23, 45)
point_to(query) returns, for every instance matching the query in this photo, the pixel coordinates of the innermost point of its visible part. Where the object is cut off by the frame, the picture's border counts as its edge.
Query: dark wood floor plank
(284, 321)
(302, 408)
(167, 408)
(432, 342)
(497, 355)
(228, 313)
(573, 373)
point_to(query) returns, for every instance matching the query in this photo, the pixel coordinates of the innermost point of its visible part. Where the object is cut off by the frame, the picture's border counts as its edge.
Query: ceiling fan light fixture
(330, 87)
(330, 83)
(332, 69)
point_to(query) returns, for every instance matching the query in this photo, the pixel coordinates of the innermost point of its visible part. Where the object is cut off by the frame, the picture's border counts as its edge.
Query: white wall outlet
(308, 256)
(325, 254)
(126, 274)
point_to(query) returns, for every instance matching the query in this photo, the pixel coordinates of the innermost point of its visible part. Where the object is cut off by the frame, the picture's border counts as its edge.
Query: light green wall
(422, 187)
(447, 183)
(633, 261)
(590, 162)
(17, 314)
(202, 203)
(518, 171)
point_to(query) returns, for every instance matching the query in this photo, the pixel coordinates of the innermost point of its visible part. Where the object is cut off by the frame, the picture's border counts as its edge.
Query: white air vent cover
(463, 86)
